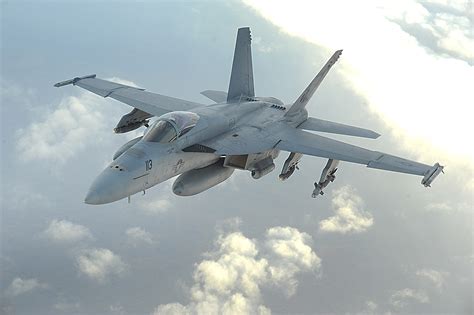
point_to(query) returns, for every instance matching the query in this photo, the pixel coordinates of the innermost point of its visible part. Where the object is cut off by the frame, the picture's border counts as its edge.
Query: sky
(375, 243)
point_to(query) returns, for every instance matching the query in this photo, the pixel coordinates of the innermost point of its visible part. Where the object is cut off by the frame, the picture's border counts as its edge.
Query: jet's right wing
(151, 103)
(296, 140)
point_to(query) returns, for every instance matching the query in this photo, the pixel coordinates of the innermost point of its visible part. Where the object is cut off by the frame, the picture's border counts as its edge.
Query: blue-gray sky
(377, 242)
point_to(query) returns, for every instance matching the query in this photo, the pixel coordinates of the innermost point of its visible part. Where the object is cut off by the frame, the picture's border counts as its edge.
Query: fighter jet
(204, 144)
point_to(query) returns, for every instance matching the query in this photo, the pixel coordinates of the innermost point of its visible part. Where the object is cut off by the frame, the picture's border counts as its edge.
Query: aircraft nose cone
(92, 198)
(108, 187)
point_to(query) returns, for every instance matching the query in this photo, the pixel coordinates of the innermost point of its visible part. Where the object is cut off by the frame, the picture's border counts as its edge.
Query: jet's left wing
(151, 103)
(295, 140)
(247, 140)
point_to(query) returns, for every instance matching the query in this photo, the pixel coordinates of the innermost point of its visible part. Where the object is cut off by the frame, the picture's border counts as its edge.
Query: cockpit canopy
(170, 126)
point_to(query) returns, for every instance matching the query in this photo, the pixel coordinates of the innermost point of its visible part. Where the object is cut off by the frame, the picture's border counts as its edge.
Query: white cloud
(428, 279)
(230, 281)
(22, 198)
(155, 206)
(402, 298)
(261, 46)
(63, 132)
(157, 201)
(350, 217)
(370, 307)
(439, 207)
(450, 207)
(289, 253)
(442, 28)
(74, 124)
(21, 286)
(172, 309)
(138, 235)
(426, 97)
(10, 91)
(63, 231)
(117, 309)
(99, 263)
(230, 225)
(455, 36)
(66, 307)
(433, 277)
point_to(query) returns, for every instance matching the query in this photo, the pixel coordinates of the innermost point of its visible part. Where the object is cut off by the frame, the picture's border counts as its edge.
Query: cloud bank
(350, 217)
(21, 286)
(433, 277)
(99, 264)
(137, 235)
(430, 283)
(425, 97)
(402, 298)
(76, 123)
(230, 281)
(63, 231)
(65, 131)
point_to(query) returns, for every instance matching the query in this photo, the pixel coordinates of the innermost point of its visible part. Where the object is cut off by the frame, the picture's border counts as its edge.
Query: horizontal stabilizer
(216, 96)
(315, 124)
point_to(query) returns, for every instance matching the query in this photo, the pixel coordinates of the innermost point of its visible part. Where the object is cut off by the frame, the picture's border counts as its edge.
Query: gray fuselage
(146, 164)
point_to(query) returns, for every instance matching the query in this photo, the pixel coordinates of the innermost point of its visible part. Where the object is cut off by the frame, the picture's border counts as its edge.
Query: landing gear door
(236, 161)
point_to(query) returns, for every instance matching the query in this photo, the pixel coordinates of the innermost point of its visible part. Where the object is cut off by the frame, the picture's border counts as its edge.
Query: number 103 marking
(148, 165)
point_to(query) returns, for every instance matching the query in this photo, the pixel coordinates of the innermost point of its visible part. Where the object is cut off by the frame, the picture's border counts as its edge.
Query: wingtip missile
(74, 80)
(432, 174)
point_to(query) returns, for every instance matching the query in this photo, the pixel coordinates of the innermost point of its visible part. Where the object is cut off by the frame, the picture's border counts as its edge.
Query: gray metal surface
(216, 96)
(241, 78)
(313, 86)
(315, 124)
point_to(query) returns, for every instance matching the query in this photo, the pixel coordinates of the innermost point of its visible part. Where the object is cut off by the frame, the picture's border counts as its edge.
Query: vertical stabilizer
(241, 78)
(313, 86)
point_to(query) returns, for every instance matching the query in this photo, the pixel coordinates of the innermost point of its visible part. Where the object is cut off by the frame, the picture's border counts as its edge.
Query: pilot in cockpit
(170, 126)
